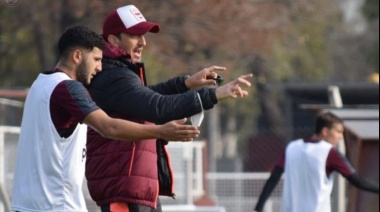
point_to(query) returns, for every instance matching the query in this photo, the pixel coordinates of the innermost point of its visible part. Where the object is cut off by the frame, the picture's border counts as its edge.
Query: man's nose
(99, 68)
(142, 40)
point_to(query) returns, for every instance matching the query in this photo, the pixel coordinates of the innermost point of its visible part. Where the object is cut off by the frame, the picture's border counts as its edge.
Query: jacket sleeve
(270, 185)
(174, 86)
(128, 97)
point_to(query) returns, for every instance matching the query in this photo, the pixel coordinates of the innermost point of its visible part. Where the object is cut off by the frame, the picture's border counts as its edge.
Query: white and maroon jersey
(308, 166)
(51, 154)
(307, 185)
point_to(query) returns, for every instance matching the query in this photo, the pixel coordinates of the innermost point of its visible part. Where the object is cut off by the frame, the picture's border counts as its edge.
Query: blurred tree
(371, 12)
(371, 9)
(304, 53)
(300, 54)
(30, 32)
(356, 54)
(17, 53)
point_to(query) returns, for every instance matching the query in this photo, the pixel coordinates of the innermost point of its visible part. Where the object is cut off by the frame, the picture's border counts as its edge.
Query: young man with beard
(52, 147)
(309, 165)
(130, 177)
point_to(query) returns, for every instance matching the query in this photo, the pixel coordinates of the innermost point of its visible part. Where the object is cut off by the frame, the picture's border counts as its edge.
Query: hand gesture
(177, 131)
(233, 89)
(206, 77)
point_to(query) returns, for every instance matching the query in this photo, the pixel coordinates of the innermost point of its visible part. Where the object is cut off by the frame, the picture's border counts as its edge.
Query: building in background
(266, 146)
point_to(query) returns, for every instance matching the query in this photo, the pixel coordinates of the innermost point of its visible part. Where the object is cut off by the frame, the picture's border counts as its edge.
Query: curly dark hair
(79, 37)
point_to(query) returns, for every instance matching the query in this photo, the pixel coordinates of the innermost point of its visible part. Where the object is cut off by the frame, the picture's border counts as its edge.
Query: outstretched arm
(363, 183)
(337, 162)
(130, 131)
(127, 97)
(173, 86)
(205, 77)
(269, 187)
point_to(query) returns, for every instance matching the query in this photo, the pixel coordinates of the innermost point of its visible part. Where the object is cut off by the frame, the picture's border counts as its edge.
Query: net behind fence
(8, 149)
(240, 191)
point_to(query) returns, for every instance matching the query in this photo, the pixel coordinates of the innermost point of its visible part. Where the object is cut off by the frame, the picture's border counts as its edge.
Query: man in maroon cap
(51, 157)
(125, 177)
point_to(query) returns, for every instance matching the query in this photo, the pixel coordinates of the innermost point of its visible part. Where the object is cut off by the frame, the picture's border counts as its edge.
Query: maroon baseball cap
(130, 20)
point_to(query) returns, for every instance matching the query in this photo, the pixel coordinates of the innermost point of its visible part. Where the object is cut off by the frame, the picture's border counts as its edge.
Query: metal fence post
(339, 191)
(2, 172)
(188, 164)
(4, 198)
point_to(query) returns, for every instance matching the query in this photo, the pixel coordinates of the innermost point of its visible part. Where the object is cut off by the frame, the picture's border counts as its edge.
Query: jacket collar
(114, 52)
(116, 57)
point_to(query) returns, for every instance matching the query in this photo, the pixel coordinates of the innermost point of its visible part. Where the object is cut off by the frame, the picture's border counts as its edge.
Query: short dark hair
(326, 119)
(79, 37)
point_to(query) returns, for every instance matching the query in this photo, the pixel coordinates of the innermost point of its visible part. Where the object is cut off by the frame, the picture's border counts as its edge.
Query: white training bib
(307, 187)
(49, 169)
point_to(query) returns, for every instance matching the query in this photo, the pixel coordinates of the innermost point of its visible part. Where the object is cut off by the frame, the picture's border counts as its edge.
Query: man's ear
(77, 56)
(113, 40)
(325, 131)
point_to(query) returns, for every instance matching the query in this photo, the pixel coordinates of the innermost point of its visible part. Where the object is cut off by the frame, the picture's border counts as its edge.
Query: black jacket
(121, 93)
(119, 90)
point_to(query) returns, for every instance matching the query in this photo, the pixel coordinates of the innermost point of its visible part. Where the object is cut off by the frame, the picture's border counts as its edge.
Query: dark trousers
(136, 208)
